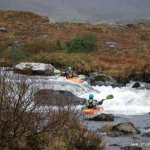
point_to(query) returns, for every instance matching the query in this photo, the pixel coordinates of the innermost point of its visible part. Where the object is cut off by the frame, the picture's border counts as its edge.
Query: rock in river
(102, 79)
(136, 85)
(123, 129)
(102, 117)
(34, 69)
(56, 98)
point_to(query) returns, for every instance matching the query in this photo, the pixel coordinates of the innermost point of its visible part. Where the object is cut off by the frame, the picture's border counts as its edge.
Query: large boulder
(124, 129)
(34, 69)
(121, 129)
(102, 79)
(46, 97)
(102, 117)
(136, 85)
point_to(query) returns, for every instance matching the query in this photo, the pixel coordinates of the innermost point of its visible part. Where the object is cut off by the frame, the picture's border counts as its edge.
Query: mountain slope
(85, 10)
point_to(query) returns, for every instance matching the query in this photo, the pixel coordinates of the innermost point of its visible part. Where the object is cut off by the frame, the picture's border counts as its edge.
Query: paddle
(101, 102)
(107, 98)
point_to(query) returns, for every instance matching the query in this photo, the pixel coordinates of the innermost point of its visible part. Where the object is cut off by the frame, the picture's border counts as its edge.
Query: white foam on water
(126, 100)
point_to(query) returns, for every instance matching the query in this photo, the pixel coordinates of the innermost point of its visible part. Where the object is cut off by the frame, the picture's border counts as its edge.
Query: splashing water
(126, 100)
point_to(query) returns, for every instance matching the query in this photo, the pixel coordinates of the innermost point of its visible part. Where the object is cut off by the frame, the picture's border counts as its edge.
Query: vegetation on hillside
(84, 43)
(119, 50)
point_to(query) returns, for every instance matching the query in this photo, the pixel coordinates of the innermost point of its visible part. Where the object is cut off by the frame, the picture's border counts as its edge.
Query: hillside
(122, 50)
(85, 10)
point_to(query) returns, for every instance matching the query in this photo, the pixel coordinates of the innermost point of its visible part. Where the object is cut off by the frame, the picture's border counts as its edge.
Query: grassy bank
(121, 51)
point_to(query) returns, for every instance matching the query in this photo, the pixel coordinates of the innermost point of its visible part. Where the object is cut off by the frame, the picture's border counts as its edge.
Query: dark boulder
(56, 98)
(102, 79)
(136, 85)
(102, 117)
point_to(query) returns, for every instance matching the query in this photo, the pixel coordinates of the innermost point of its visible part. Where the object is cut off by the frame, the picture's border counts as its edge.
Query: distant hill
(84, 10)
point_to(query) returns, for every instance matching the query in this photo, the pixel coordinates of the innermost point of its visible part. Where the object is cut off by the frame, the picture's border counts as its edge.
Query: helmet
(91, 96)
(69, 68)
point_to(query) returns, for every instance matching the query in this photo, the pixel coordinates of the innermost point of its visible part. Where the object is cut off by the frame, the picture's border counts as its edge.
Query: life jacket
(90, 104)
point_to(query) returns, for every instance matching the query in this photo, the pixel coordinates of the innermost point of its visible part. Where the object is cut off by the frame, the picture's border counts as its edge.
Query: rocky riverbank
(133, 135)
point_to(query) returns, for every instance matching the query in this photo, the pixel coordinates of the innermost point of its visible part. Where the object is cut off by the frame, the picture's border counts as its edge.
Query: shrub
(84, 43)
(16, 54)
(25, 125)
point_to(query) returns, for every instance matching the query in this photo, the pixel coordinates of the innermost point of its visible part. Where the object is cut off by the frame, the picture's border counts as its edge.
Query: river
(128, 104)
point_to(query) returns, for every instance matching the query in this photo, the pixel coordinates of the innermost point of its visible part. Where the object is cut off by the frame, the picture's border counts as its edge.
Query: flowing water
(126, 101)
(128, 104)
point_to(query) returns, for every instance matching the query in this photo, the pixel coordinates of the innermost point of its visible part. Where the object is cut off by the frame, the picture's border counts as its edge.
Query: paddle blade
(84, 107)
(110, 97)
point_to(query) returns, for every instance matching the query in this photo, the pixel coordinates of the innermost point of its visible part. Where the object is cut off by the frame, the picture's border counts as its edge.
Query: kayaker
(92, 103)
(69, 73)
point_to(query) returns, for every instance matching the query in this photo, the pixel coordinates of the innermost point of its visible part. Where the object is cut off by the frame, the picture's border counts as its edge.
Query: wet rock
(56, 98)
(123, 129)
(102, 117)
(102, 79)
(34, 69)
(136, 85)
(131, 148)
(111, 83)
(99, 83)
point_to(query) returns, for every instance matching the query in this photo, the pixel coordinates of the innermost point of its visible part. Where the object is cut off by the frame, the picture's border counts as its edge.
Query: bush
(25, 125)
(15, 54)
(84, 43)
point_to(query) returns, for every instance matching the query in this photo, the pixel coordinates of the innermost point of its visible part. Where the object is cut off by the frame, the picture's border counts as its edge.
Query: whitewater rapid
(127, 100)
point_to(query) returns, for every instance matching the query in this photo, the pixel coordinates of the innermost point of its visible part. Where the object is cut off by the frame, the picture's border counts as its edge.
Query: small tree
(84, 43)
